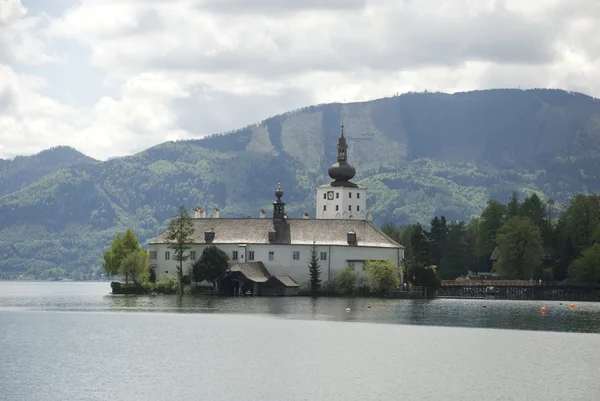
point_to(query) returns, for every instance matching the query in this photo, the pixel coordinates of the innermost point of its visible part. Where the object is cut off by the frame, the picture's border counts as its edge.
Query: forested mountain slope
(420, 154)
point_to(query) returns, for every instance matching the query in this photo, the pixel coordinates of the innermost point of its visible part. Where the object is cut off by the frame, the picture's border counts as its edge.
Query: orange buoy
(572, 305)
(543, 309)
(368, 306)
(483, 305)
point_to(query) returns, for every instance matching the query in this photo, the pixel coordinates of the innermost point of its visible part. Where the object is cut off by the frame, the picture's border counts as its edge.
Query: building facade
(343, 233)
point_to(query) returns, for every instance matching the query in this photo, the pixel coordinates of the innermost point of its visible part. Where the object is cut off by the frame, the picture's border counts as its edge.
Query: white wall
(343, 197)
(283, 262)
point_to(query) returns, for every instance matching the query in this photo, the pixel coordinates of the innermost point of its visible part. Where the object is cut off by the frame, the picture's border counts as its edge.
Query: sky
(114, 77)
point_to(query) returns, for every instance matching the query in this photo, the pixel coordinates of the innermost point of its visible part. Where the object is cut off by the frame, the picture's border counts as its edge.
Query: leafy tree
(426, 276)
(180, 233)
(382, 275)
(314, 268)
(582, 217)
(586, 269)
(212, 264)
(345, 280)
(135, 265)
(121, 247)
(520, 248)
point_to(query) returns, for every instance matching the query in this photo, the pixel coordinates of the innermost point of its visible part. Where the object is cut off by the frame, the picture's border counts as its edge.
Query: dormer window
(351, 235)
(209, 236)
(272, 236)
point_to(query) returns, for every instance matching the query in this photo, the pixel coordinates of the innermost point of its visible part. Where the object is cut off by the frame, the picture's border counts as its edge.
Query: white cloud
(187, 68)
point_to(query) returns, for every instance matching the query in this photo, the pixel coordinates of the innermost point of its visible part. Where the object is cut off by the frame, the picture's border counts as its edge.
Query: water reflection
(521, 315)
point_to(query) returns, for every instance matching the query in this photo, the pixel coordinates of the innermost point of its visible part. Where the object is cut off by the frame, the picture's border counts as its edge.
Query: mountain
(21, 171)
(420, 154)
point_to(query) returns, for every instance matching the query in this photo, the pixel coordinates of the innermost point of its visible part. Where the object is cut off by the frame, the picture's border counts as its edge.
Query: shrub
(167, 285)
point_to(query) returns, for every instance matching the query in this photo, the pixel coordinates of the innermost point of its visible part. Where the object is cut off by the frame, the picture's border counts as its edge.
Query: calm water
(73, 341)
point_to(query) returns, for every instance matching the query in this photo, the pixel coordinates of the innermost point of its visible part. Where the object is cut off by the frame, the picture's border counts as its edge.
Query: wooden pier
(516, 289)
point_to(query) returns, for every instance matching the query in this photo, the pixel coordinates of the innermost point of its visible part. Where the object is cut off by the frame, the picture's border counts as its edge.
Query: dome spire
(342, 172)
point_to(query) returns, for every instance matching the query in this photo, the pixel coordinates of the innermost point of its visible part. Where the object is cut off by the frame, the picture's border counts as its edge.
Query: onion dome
(342, 172)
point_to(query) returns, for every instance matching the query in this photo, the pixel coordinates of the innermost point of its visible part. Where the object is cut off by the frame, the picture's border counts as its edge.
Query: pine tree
(180, 232)
(314, 268)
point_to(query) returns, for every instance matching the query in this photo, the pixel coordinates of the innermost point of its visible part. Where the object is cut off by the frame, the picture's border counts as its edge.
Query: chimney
(202, 213)
(370, 217)
(262, 213)
(216, 213)
(305, 215)
(199, 213)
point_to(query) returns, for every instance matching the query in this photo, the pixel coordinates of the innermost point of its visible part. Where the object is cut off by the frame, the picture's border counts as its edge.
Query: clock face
(330, 195)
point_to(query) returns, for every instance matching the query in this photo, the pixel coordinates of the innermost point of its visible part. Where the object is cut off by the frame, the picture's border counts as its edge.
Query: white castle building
(342, 231)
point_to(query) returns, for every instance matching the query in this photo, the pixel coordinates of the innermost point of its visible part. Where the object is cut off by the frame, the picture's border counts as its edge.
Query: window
(324, 195)
(349, 208)
(358, 208)
(152, 254)
(324, 208)
(337, 207)
(167, 255)
(271, 255)
(234, 255)
(250, 255)
(323, 255)
(337, 195)
(193, 255)
(296, 255)
(349, 194)
(358, 195)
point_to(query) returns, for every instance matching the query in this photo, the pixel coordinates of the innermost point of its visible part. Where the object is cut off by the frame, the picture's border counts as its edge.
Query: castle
(279, 247)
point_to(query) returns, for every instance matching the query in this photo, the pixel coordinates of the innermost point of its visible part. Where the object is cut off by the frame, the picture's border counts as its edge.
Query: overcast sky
(113, 77)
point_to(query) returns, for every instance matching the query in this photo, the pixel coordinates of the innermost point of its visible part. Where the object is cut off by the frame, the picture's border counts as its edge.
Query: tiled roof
(286, 280)
(254, 271)
(295, 231)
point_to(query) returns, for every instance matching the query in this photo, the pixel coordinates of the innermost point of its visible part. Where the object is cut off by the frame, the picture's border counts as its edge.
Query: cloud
(187, 68)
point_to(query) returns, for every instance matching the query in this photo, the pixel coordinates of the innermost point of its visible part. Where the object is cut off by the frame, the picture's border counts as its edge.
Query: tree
(513, 206)
(437, 239)
(520, 248)
(426, 276)
(382, 275)
(586, 269)
(211, 265)
(419, 250)
(345, 280)
(455, 260)
(582, 217)
(314, 269)
(135, 265)
(179, 234)
(122, 246)
(491, 220)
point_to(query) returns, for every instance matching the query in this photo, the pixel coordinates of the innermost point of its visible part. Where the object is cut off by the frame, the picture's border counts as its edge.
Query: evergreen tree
(314, 269)
(455, 259)
(513, 206)
(419, 251)
(179, 234)
(437, 239)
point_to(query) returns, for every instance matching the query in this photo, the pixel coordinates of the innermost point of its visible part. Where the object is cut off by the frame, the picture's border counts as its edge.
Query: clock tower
(341, 199)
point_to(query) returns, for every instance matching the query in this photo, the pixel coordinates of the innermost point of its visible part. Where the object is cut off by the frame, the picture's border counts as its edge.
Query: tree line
(522, 239)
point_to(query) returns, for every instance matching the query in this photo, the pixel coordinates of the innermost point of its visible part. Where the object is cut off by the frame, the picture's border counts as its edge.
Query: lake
(74, 341)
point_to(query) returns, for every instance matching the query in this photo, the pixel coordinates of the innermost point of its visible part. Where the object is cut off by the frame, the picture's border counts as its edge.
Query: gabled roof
(285, 280)
(321, 232)
(253, 271)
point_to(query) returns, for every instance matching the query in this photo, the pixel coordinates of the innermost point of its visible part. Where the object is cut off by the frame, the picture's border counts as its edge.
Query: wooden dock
(516, 289)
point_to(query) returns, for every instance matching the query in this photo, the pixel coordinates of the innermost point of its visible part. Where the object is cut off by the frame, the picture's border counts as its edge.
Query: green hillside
(421, 154)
